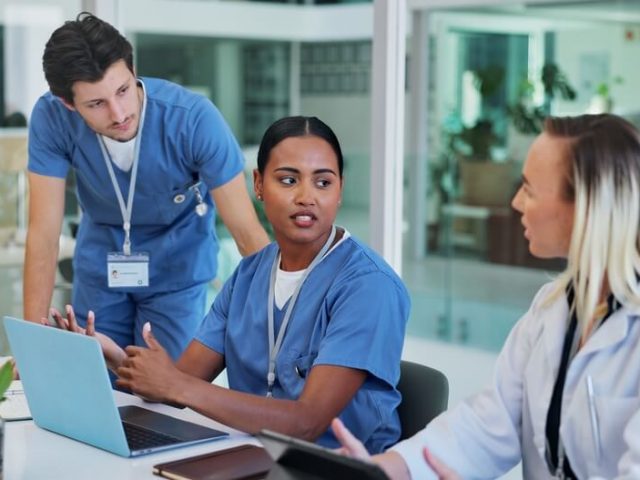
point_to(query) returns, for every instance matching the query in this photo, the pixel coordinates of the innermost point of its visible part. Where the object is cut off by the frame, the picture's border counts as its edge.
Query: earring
(259, 196)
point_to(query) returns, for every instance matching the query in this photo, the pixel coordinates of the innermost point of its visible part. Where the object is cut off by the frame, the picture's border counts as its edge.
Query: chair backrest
(425, 394)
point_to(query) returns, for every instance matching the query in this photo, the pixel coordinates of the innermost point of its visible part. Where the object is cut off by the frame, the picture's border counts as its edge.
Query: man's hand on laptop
(113, 354)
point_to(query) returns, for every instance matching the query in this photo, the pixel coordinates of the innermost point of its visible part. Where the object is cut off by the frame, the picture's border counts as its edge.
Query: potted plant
(6, 376)
(602, 102)
(441, 189)
(473, 146)
(474, 142)
(528, 117)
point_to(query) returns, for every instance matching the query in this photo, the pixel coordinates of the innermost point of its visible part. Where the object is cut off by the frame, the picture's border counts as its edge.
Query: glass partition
(308, 2)
(247, 80)
(335, 85)
(254, 81)
(24, 29)
(494, 74)
(491, 75)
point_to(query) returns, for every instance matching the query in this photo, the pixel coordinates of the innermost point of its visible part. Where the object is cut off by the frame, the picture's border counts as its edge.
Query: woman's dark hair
(297, 127)
(82, 50)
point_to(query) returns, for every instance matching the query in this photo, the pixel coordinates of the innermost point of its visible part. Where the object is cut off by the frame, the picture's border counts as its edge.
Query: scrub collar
(276, 343)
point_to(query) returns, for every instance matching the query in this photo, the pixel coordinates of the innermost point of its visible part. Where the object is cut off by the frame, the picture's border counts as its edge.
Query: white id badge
(128, 270)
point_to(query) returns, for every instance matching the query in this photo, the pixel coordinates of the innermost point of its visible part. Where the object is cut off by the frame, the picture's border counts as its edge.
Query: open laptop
(65, 379)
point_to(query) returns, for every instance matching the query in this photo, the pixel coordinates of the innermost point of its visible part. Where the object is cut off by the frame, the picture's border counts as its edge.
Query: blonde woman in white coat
(565, 394)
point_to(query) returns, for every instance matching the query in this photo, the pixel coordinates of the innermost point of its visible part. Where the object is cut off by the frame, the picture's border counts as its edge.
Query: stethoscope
(201, 208)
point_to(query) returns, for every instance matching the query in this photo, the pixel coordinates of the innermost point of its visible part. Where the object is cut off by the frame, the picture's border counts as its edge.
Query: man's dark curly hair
(82, 50)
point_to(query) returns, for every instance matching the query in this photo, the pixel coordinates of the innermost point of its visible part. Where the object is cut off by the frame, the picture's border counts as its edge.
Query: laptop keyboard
(140, 438)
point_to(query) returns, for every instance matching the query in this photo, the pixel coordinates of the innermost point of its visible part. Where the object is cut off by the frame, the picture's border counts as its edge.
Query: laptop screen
(65, 379)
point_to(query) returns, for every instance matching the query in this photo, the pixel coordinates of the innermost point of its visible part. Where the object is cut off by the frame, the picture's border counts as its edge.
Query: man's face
(112, 105)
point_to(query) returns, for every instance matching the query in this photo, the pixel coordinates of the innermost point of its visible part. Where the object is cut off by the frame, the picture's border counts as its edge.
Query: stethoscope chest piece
(201, 209)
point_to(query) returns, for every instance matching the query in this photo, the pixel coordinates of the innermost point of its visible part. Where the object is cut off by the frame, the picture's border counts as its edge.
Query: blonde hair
(604, 183)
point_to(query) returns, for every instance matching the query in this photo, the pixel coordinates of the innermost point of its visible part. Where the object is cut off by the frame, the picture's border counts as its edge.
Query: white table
(33, 453)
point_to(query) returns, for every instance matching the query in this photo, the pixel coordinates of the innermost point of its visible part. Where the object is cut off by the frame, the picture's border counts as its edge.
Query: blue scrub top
(184, 140)
(352, 312)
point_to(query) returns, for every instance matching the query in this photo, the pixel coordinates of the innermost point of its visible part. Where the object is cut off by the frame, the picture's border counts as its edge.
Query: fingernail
(146, 328)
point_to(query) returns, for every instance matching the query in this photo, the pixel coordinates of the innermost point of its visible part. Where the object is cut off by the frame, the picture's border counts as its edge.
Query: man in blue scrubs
(153, 162)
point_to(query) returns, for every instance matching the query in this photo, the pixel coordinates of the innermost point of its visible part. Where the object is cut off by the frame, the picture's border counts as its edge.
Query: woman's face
(547, 216)
(301, 188)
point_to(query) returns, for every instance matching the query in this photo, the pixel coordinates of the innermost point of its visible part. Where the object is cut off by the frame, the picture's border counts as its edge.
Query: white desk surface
(33, 453)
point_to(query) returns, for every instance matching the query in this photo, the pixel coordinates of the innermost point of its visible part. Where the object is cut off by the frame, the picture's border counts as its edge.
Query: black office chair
(65, 265)
(425, 394)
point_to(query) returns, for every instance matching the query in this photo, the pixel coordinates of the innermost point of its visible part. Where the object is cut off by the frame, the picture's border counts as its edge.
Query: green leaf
(6, 376)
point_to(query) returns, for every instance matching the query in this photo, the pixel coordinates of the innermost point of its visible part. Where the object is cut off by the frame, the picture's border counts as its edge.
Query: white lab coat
(488, 434)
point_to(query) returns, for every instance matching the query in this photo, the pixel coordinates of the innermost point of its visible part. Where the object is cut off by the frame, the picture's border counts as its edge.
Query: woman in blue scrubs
(309, 328)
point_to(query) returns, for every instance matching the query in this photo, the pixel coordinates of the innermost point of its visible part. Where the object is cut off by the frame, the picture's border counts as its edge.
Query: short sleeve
(213, 329)
(368, 316)
(47, 152)
(215, 149)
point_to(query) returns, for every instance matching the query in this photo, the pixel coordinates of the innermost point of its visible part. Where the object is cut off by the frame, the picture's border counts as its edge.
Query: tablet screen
(319, 461)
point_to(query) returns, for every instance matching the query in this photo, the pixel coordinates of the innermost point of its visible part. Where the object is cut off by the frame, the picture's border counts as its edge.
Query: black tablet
(315, 461)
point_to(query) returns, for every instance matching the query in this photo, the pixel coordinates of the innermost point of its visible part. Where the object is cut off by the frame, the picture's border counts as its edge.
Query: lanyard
(276, 343)
(126, 210)
(555, 454)
(564, 470)
(557, 462)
